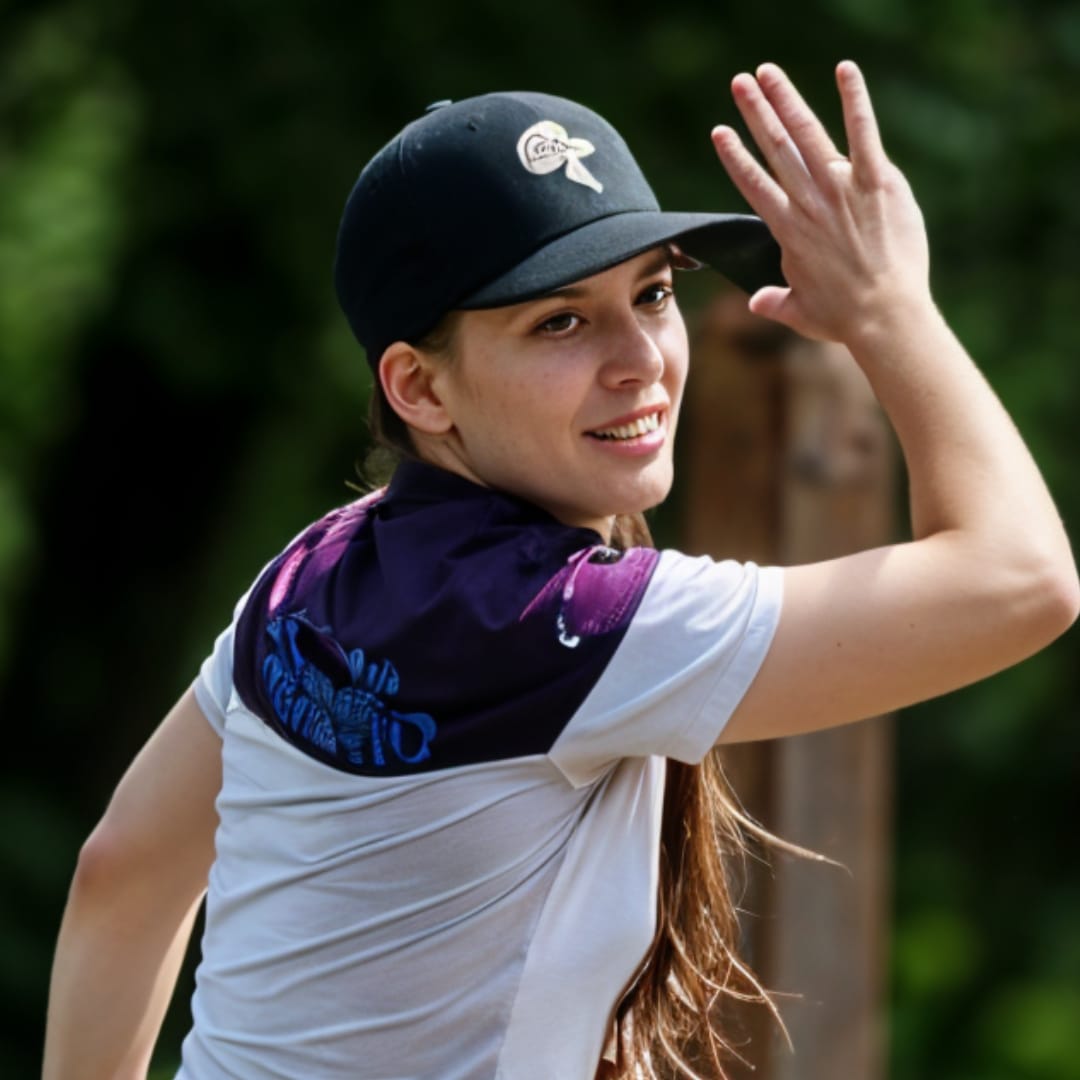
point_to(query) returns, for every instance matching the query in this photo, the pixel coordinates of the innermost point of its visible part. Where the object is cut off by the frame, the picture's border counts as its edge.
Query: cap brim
(738, 246)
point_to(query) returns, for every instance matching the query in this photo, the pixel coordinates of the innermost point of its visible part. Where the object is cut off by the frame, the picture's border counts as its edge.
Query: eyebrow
(662, 260)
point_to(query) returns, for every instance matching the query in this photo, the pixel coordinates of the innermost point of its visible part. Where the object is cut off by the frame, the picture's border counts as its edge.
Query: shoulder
(595, 591)
(314, 549)
(698, 634)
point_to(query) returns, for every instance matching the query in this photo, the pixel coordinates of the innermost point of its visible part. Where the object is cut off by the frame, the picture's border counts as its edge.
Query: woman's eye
(559, 324)
(656, 295)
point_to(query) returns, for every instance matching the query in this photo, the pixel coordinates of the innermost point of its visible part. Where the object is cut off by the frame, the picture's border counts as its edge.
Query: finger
(868, 160)
(771, 136)
(811, 140)
(756, 186)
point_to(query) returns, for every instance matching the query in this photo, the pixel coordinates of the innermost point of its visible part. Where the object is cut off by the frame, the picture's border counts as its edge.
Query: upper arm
(162, 818)
(868, 633)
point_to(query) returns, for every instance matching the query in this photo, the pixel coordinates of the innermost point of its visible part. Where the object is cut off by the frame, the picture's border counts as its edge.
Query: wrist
(879, 330)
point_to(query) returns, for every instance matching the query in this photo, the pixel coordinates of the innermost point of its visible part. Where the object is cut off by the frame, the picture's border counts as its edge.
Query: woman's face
(571, 401)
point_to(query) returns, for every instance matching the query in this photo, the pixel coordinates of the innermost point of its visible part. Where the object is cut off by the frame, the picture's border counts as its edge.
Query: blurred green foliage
(178, 395)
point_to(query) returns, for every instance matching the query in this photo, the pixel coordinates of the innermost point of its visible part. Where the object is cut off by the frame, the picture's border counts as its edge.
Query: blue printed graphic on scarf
(336, 701)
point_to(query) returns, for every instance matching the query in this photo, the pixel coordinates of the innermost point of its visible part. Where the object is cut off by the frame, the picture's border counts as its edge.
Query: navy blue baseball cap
(502, 198)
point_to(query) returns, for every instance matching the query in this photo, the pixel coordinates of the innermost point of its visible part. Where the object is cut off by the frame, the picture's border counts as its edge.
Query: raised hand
(854, 245)
(970, 593)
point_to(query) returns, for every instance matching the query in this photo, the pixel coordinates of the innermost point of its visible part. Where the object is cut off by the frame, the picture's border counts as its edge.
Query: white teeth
(642, 426)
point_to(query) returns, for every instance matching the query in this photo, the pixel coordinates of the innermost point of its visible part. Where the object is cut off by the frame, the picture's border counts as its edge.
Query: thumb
(773, 302)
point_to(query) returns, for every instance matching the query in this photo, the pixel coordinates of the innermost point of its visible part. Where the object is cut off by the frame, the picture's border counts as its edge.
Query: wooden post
(788, 459)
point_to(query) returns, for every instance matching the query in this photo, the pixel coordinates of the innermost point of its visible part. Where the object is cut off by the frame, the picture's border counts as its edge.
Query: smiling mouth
(643, 425)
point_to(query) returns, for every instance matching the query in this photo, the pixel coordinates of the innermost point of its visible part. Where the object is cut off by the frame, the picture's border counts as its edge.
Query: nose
(633, 356)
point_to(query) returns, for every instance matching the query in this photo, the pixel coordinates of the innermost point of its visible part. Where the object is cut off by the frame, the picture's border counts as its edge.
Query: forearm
(138, 884)
(118, 955)
(142, 1048)
(969, 471)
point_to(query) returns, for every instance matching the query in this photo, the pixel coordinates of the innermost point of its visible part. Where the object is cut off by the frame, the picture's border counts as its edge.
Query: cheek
(676, 350)
(548, 396)
(512, 410)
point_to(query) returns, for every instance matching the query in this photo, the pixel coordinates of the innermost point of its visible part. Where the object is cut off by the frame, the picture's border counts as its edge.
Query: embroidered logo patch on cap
(547, 146)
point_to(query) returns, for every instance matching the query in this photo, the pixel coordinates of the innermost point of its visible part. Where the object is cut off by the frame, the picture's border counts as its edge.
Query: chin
(625, 500)
(647, 496)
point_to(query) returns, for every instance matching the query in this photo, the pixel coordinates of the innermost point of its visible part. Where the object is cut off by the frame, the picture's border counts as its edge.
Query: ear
(407, 377)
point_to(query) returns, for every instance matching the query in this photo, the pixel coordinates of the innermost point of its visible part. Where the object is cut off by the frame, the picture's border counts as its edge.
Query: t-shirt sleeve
(691, 652)
(214, 682)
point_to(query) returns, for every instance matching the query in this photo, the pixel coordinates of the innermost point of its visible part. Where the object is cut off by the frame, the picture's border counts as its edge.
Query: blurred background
(179, 395)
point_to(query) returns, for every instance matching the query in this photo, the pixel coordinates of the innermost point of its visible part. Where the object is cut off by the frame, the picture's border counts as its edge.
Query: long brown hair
(668, 1019)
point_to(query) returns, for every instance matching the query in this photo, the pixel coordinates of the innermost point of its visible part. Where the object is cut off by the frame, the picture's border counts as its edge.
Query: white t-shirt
(384, 914)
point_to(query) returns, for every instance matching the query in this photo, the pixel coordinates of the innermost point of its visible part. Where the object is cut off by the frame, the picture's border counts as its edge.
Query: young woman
(447, 771)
